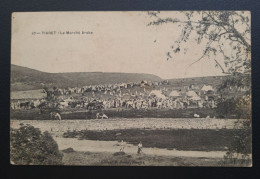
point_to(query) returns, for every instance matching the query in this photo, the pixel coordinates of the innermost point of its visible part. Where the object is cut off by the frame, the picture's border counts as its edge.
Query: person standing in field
(122, 144)
(139, 147)
(97, 115)
(57, 116)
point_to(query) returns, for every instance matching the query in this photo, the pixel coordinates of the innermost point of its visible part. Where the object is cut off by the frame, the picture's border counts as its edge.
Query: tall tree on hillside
(226, 35)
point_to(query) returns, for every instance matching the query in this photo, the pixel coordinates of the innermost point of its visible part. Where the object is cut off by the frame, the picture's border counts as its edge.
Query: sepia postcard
(131, 88)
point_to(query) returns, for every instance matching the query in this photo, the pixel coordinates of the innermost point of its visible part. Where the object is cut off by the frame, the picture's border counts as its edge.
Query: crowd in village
(143, 95)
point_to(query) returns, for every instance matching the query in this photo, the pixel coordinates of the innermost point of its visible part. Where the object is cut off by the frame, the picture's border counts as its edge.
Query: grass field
(74, 113)
(124, 123)
(121, 159)
(180, 134)
(183, 139)
(171, 146)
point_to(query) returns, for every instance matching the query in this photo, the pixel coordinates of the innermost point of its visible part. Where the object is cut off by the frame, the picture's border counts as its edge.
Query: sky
(120, 42)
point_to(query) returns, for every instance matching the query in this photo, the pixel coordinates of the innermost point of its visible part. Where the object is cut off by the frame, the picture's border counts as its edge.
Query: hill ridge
(24, 78)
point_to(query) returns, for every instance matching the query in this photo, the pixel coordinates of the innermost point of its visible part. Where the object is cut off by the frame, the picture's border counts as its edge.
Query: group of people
(134, 96)
(139, 147)
(119, 96)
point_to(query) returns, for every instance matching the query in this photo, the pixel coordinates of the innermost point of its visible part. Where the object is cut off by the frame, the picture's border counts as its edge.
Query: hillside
(23, 78)
(209, 80)
(215, 81)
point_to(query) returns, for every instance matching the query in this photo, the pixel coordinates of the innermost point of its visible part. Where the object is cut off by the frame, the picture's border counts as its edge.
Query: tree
(28, 146)
(240, 149)
(226, 35)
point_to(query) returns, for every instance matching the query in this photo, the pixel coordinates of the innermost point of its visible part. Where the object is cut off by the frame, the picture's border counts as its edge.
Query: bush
(28, 146)
(68, 150)
(241, 147)
(239, 107)
(119, 153)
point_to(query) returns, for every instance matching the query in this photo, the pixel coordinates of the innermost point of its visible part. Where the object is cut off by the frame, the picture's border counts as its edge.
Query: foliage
(68, 150)
(236, 97)
(240, 149)
(238, 106)
(236, 84)
(226, 35)
(179, 139)
(28, 146)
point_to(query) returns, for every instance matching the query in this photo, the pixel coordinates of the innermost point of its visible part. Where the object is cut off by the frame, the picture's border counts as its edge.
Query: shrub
(119, 153)
(240, 107)
(239, 151)
(28, 146)
(68, 150)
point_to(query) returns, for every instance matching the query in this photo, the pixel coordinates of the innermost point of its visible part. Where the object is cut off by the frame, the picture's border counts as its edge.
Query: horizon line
(119, 72)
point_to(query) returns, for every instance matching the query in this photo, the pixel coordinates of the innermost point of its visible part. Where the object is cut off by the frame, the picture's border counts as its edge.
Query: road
(112, 146)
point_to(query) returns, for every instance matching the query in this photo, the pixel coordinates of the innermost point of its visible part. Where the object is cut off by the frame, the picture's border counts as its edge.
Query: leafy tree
(28, 146)
(238, 107)
(226, 35)
(240, 149)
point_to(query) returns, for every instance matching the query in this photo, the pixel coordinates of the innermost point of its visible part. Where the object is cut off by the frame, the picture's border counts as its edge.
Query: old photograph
(131, 88)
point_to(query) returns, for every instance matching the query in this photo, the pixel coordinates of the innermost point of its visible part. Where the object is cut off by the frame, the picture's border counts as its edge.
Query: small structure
(192, 94)
(207, 88)
(174, 94)
(195, 98)
(30, 94)
(27, 99)
(158, 94)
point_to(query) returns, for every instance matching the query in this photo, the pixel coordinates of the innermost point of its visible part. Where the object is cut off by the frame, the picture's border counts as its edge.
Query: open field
(72, 114)
(121, 159)
(124, 123)
(172, 142)
(111, 159)
(182, 139)
(177, 134)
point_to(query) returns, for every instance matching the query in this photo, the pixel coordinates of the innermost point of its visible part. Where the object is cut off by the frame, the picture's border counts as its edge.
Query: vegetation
(227, 39)
(236, 84)
(74, 113)
(28, 146)
(110, 159)
(241, 147)
(240, 150)
(226, 35)
(182, 139)
(235, 106)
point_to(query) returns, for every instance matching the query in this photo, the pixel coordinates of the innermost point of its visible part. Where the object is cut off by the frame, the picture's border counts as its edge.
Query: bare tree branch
(222, 22)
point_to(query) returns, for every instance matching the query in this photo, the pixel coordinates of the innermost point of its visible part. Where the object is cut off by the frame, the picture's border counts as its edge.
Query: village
(140, 96)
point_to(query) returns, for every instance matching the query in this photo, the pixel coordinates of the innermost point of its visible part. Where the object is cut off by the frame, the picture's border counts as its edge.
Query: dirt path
(112, 146)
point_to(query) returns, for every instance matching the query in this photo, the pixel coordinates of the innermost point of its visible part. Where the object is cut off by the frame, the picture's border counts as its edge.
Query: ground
(179, 139)
(111, 159)
(76, 113)
(168, 141)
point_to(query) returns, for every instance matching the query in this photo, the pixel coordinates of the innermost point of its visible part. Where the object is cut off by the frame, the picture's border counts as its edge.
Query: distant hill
(215, 81)
(23, 78)
(209, 80)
